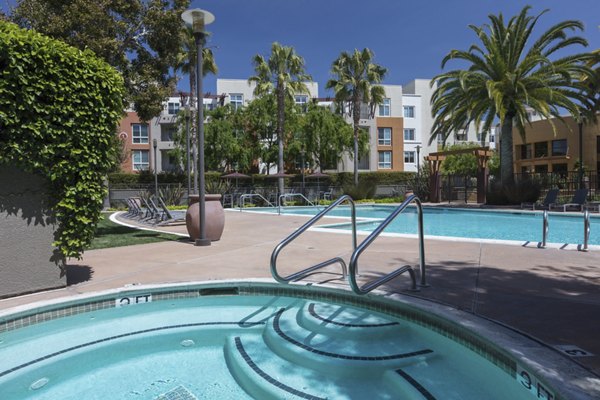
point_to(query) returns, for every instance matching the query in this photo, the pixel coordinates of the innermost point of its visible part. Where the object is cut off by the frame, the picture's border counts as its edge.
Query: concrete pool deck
(551, 295)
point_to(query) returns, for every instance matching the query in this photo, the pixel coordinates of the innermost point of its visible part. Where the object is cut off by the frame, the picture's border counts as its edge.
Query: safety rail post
(245, 196)
(586, 231)
(301, 274)
(353, 266)
(285, 195)
(545, 228)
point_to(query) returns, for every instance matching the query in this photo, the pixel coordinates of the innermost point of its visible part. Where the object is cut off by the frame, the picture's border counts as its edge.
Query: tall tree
(283, 75)
(324, 136)
(140, 38)
(507, 75)
(355, 84)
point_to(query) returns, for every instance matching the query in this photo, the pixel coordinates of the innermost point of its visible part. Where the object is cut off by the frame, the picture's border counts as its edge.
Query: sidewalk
(551, 295)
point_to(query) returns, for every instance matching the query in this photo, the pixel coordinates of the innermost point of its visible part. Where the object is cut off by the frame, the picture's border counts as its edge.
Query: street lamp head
(197, 19)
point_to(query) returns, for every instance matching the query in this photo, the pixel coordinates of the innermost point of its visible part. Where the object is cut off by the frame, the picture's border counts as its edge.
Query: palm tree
(355, 83)
(186, 62)
(282, 74)
(507, 76)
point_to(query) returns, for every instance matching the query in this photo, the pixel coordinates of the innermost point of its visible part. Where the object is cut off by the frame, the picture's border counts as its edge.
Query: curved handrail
(302, 229)
(544, 230)
(281, 196)
(586, 230)
(250, 195)
(353, 266)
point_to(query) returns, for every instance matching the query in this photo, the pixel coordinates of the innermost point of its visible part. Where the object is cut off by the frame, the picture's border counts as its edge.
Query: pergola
(483, 154)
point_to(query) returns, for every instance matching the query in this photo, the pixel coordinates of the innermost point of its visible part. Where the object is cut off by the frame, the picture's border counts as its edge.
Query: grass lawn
(109, 234)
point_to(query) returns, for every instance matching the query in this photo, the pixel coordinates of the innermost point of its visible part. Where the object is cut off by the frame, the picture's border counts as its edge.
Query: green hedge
(59, 108)
(336, 179)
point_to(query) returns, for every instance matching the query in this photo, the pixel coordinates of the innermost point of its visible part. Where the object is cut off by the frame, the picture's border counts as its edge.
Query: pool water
(475, 224)
(243, 347)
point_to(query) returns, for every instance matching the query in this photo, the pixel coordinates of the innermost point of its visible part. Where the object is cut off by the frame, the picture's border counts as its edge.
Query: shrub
(364, 190)
(59, 109)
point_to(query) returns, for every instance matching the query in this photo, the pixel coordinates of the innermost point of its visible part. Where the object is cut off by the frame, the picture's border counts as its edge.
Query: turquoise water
(234, 347)
(475, 224)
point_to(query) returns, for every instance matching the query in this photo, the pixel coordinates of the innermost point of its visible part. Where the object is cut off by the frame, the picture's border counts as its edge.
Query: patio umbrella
(318, 175)
(235, 175)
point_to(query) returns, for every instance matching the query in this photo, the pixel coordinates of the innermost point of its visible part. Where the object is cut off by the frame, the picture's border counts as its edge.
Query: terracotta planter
(215, 217)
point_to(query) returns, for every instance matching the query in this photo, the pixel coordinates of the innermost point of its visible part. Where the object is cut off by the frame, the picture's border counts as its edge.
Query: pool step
(266, 376)
(330, 353)
(343, 321)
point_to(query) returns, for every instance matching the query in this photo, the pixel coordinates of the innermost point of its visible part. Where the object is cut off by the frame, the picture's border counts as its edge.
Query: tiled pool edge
(481, 336)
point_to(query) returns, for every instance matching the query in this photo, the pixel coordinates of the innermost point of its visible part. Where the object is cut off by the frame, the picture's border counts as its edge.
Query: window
(384, 136)
(559, 147)
(302, 101)
(140, 160)
(541, 169)
(167, 133)
(236, 100)
(492, 138)
(561, 169)
(384, 108)
(385, 160)
(440, 138)
(409, 157)
(525, 151)
(409, 111)
(172, 108)
(598, 144)
(460, 136)
(139, 133)
(540, 149)
(409, 134)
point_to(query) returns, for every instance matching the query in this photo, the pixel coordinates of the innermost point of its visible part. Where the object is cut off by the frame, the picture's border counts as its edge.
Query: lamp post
(580, 126)
(418, 157)
(197, 19)
(155, 144)
(185, 101)
(302, 152)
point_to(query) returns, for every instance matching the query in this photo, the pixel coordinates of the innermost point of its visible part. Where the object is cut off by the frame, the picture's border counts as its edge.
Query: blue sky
(409, 38)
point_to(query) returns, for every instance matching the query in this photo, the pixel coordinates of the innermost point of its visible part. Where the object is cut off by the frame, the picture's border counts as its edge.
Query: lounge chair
(549, 201)
(577, 202)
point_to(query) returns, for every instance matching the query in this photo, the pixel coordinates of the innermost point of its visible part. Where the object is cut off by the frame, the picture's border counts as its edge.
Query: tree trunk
(280, 121)
(356, 117)
(506, 152)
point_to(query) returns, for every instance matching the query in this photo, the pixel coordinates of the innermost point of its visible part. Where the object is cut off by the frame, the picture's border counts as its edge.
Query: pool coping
(509, 349)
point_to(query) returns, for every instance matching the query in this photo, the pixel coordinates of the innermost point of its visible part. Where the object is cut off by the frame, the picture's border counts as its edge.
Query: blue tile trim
(267, 377)
(416, 385)
(313, 312)
(161, 328)
(293, 341)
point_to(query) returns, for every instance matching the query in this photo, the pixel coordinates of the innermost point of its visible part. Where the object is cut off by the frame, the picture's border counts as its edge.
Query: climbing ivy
(59, 109)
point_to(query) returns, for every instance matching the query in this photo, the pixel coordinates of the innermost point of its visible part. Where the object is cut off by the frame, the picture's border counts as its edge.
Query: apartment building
(556, 150)
(135, 136)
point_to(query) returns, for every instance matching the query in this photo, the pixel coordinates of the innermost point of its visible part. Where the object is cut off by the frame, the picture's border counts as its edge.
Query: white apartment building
(399, 130)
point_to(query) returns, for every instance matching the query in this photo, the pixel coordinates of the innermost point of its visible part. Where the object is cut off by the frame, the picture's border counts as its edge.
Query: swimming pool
(464, 223)
(253, 340)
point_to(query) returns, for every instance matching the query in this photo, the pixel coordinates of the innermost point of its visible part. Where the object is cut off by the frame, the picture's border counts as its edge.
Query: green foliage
(460, 164)
(171, 194)
(364, 190)
(59, 108)
(508, 74)
(140, 38)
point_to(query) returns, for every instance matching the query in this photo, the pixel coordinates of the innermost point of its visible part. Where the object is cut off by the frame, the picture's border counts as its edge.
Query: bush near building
(59, 108)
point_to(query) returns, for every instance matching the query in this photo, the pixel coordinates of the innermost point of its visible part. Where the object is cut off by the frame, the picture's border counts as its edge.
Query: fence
(567, 182)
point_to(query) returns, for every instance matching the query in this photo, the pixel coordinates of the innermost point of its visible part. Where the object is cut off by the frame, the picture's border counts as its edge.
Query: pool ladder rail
(586, 231)
(357, 250)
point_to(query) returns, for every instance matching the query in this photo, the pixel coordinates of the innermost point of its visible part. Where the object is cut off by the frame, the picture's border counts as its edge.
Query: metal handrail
(301, 274)
(407, 268)
(243, 198)
(586, 230)
(544, 230)
(285, 195)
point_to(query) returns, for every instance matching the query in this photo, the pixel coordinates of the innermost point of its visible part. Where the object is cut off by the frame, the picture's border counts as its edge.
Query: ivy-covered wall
(59, 108)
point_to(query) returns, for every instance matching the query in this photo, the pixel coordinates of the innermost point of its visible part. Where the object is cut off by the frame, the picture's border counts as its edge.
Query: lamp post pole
(197, 19)
(580, 126)
(155, 144)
